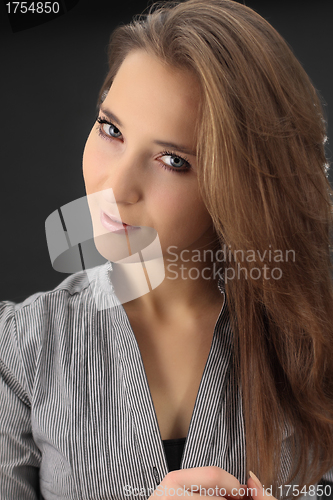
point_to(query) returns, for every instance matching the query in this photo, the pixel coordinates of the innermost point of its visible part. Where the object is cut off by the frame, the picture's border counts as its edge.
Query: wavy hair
(262, 173)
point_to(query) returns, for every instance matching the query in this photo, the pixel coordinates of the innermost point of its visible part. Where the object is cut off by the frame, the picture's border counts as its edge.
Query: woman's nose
(125, 180)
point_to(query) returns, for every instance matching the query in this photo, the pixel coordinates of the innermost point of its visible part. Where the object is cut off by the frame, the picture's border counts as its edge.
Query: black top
(173, 451)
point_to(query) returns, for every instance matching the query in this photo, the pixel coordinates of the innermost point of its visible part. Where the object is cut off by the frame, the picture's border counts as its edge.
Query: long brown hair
(262, 175)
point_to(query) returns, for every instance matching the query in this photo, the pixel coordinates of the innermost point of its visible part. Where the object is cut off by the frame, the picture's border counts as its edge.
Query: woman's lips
(113, 226)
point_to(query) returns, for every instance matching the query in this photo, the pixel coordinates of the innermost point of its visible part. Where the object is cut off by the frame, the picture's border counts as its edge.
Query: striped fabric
(76, 416)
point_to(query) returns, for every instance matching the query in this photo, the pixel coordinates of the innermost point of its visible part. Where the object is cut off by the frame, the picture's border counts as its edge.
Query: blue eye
(175, 163)
(107, 128)
(111, 130)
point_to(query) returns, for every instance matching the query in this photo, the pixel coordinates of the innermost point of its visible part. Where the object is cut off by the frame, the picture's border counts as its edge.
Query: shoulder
(73, 285)
(81, 291)
(74, 289)
(47, 321)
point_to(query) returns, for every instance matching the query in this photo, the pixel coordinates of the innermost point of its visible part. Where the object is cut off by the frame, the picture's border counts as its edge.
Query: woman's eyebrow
(111, 116)
(171, 145)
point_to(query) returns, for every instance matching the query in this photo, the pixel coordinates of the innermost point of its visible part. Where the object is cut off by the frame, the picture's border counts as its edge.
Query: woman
(210, 132)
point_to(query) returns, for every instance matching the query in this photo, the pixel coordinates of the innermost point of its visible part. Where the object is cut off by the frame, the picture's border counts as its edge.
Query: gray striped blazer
(77, 419)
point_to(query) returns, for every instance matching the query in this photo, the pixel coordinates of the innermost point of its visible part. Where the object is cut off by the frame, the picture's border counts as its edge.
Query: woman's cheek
(95, 168)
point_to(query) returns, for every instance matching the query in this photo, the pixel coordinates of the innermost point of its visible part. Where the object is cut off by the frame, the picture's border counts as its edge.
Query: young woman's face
(148, 121)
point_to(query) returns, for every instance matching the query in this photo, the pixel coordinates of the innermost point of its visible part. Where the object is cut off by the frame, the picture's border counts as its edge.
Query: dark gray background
(51, 75)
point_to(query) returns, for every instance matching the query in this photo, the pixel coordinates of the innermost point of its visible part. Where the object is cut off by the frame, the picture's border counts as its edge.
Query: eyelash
(185, 169)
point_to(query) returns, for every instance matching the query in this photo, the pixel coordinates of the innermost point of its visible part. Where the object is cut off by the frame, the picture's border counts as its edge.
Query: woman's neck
(183, 288)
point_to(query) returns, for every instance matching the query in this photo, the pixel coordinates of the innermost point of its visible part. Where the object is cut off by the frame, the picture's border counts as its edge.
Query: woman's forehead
(147, 89)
